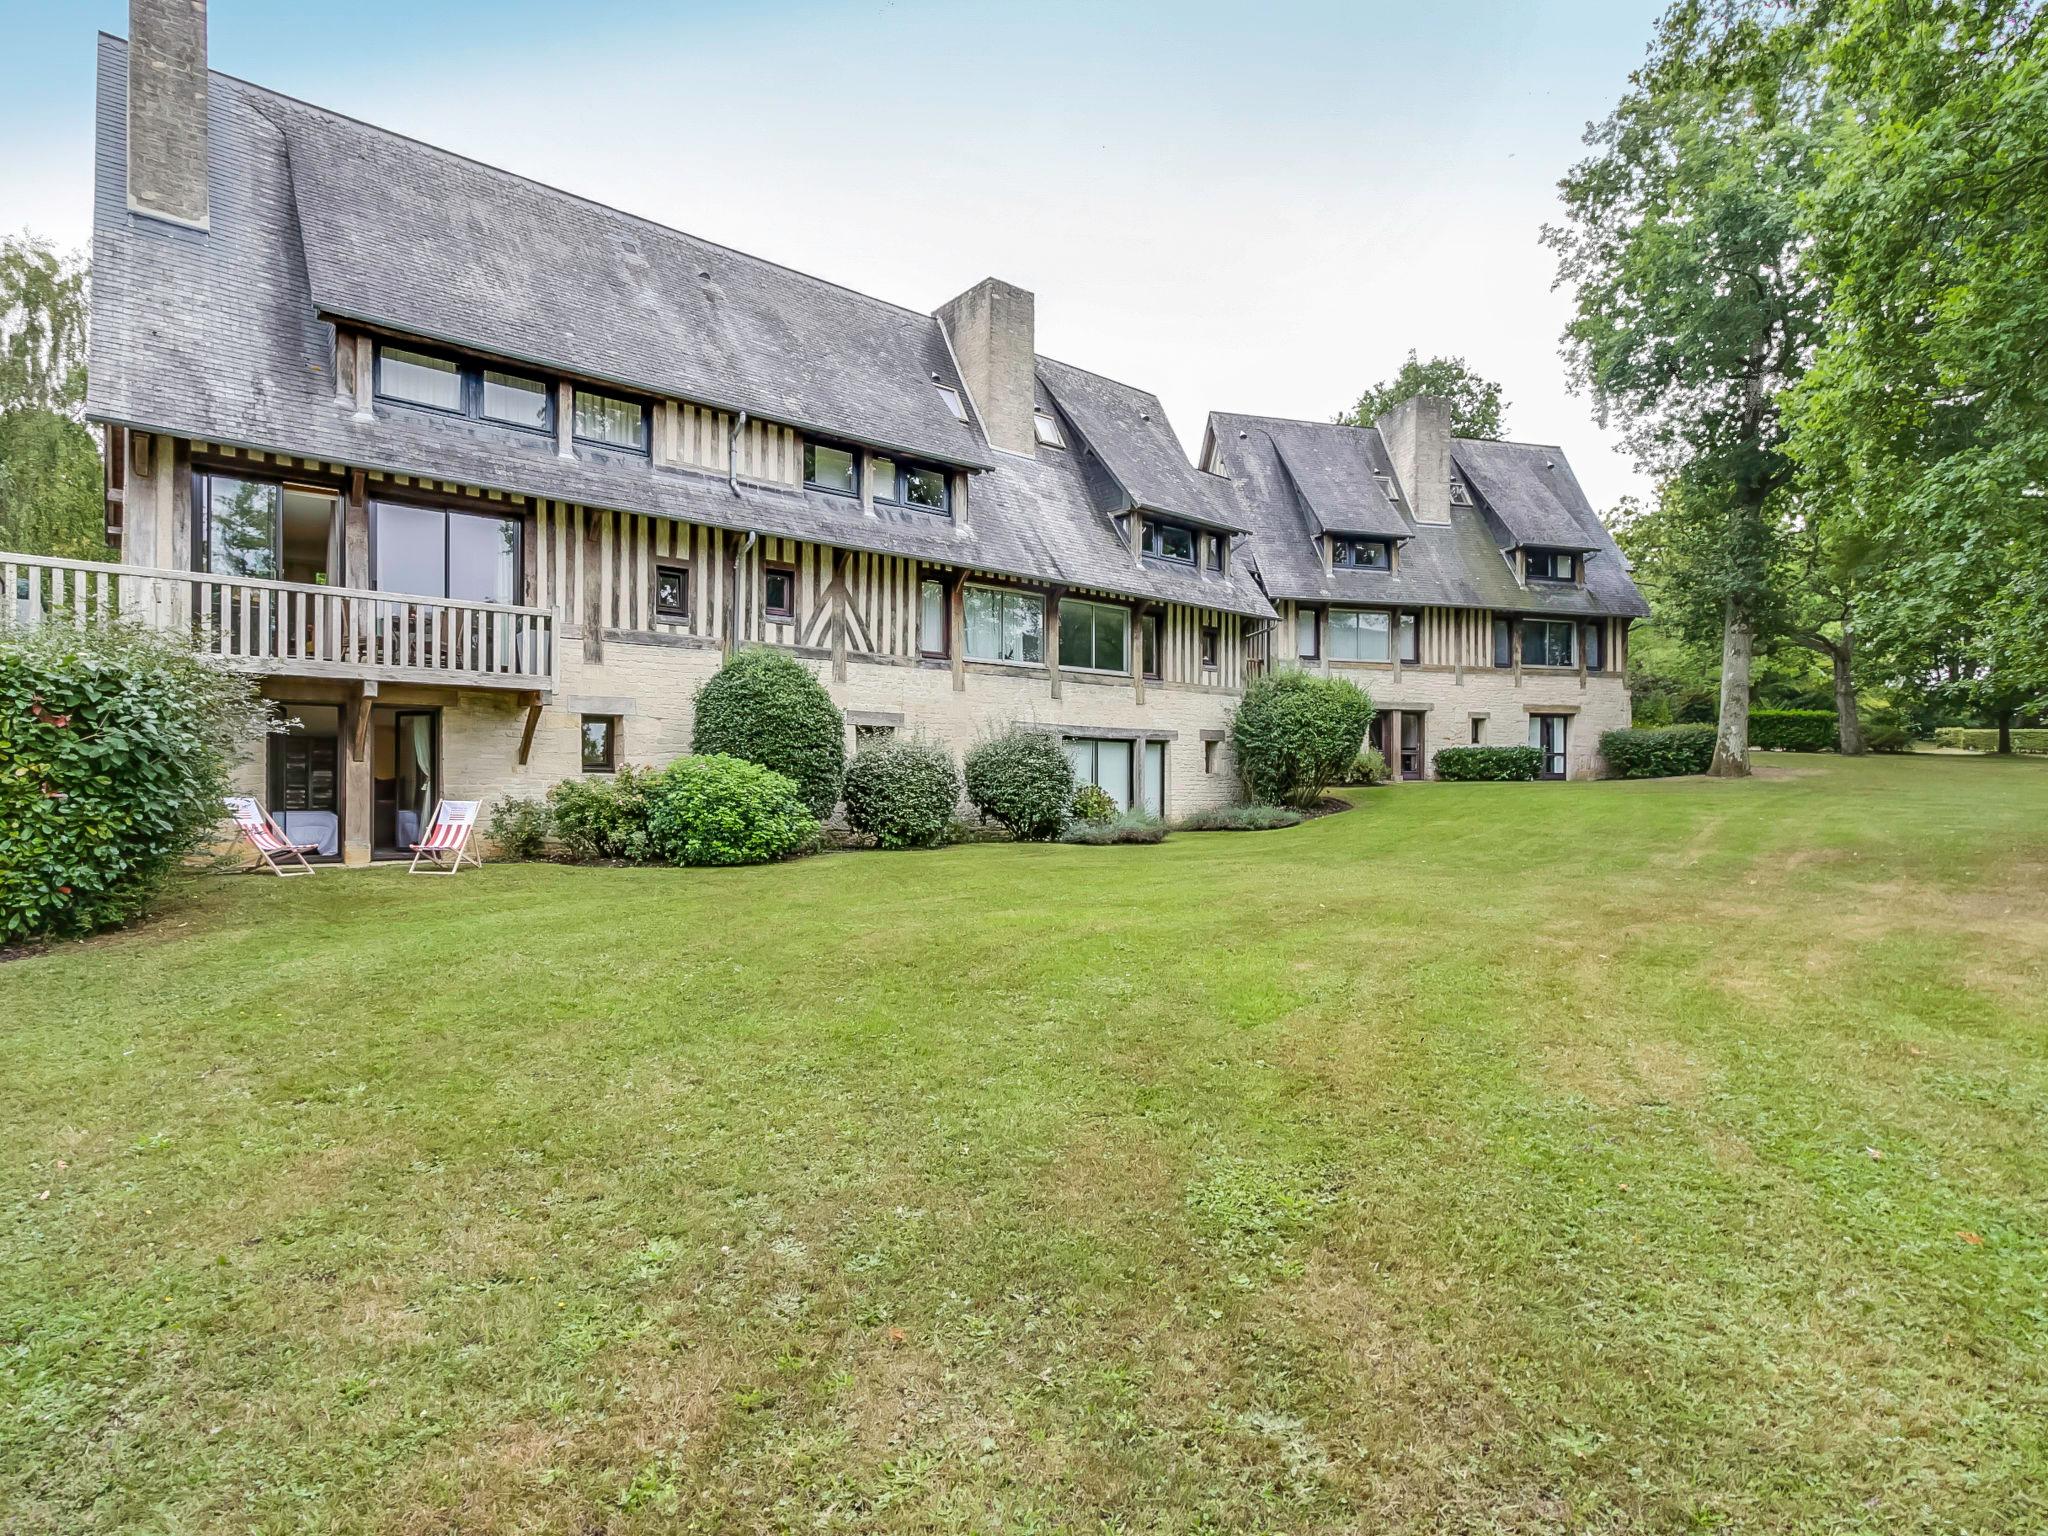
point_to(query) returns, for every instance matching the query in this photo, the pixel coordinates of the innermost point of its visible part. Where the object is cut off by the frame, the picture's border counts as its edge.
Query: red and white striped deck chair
(446, 844)
(264, 836)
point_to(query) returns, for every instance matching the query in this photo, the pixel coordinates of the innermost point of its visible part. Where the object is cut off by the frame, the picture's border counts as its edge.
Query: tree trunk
(2005, 734)
(1731, 737)
(1847, 725)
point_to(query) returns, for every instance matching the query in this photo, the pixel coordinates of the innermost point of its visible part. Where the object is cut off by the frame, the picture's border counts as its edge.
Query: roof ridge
(548, 186)
(1095, 373)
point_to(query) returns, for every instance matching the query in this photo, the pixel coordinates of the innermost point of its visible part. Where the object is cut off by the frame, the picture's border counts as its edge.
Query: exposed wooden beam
(532, 701)
(359, 727)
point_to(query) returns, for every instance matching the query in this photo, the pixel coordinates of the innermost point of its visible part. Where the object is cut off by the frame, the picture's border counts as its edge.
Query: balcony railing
(290, 628)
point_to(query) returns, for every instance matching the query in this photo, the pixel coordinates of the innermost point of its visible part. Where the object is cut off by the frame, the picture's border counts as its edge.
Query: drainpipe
(732, 461)
(732, 590)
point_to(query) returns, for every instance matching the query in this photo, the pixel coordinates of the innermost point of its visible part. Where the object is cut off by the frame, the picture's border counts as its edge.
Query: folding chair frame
(445, 861)
(286, 849)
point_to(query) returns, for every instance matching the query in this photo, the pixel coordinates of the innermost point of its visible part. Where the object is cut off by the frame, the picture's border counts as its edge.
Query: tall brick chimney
(993, 329)
(167, 110)
(1417, 433)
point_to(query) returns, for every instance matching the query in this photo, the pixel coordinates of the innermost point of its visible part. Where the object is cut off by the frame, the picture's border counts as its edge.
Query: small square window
(672, 591)
(925, 488)
(832, 469)
(1048, 430)
(778, 589)
(1210, 646)
(600, 743)
(951, 397)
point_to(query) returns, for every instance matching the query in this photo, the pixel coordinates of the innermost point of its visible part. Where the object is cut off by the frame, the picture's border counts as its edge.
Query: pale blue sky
(1240, 207)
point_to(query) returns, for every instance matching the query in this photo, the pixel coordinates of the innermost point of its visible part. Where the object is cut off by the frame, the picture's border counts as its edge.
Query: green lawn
(1585, 1157)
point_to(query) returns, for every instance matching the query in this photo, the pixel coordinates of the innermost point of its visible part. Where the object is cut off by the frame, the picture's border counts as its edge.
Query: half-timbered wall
(700, 437)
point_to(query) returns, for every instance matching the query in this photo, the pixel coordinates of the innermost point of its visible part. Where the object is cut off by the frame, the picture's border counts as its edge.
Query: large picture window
(1095, 635)
(1548, 642)
(1004, 625)
(442, 552)
(1359, 634)
(1105, 764)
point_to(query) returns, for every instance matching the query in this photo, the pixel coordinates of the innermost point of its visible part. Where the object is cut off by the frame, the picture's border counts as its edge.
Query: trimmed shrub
(1023, 780)
(902, 793)
(1793, 730)
(1494, 764)
(1092, 804)
(764, 707)
(602, 816)
(1969, 739)
(519, 828)
(1658, 754)
(715, 809)
(1239, 818)
(1296, 734)
(1888, 734)
(1129, 827)
(1369, 767)
(115, 750)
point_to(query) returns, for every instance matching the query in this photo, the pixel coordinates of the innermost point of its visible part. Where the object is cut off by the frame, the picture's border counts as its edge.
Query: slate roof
(1334, 475)
(1461, 564)
(218, 336)
(1127, 430)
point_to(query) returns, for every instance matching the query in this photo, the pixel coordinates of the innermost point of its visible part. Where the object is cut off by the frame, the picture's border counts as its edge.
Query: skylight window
(953, 401)
(1460, 497)
(1387, 486)
(1047, 429)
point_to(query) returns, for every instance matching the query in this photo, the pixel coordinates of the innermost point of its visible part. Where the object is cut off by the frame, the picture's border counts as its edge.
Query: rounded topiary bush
(1093, 805)
(767, 708)
(1023, 780)
(115, 750)
(721, 810)
(1296, 734)
(902, 793)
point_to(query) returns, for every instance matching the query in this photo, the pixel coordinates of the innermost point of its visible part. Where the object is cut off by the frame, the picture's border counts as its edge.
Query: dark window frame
(674, 567)
(899, 488)
(1569, 626)
(1211, 653)
(448, 508)
(768, 608)
(945, 587)
(469, 373)
(1344, 550)
(1150, 645)
(1152, 525)
(860, 469)
(1131, 622)
(1550, 556)
(610, 763)
(1410, 621)
(605, 444)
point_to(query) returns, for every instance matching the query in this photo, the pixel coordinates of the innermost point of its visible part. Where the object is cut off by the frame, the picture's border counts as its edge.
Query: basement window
(1047, 429)
(600, 743)
(953, 402)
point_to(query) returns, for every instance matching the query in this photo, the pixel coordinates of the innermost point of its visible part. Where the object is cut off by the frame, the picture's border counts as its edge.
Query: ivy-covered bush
(1127, 827)
(715, 809)
(519, 828)
(1023, 780)
(1793, 730)
(767, 708)
(1238, 818)
(115, 751)
(1499, 765)
(1296, 734)
(902, 793)
(602, 816)
(1092, 804)
(1658, 754)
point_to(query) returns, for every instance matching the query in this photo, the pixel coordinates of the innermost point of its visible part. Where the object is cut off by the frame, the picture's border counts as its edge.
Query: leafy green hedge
(765, 707)
(721, 810)
(602, 817)
(1793, 730)
(1495, 764)
(1659, 753)
(902, 793)
(115, 750)
(1296, 734)
(1967, 739)
(1023, 780)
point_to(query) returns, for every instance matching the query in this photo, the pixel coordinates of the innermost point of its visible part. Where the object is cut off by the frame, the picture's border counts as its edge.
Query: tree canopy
(1476, 406)
(50, 479)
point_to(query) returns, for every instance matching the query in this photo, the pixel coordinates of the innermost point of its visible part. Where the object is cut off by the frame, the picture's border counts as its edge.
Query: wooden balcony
(287, 629)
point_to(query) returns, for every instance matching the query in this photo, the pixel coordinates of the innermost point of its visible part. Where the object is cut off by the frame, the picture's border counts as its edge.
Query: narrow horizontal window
(610, 421)
(515, 400)
(832, 469)
(417, 378)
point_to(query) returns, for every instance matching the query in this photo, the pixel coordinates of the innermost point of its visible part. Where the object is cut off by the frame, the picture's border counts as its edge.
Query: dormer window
(1048, 430)
(827, 468)
(1169, 541)
(954, 403)
(433, 382)
(912, 485)
(607, 421)
(1361, 554)
(1551, 564)
(1460, 497)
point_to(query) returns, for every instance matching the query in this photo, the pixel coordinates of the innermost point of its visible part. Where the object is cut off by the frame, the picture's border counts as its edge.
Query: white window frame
(1047, 430)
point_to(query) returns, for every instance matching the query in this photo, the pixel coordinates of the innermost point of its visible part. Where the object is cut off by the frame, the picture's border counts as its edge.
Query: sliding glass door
(305, 777)
(405, 777)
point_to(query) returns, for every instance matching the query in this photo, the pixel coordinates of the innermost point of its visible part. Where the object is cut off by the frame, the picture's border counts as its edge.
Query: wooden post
(1052, 637)
(593, 590)
(1138, 612)
(839, 620)
(957, 620)
(1515, 646)
(355, 533)
(366, 370)
(565, 419)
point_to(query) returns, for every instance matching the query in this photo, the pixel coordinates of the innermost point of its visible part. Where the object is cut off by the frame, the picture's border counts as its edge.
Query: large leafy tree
(1927, 408)
(1694, 313)
(1476, 405)
(50, 486)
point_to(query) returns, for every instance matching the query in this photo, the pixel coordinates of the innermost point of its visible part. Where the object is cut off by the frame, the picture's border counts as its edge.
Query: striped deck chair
(270, 843)
(446, 844)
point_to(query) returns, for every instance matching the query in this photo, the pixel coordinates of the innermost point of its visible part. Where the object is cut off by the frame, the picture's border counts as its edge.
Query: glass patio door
(305, 777)
(1155, 778)
(405, 776)
(1547, 734)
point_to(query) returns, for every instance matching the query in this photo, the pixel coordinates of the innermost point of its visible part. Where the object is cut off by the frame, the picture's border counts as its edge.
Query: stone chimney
(167, 110)
(1417, 433)
(994, 336)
